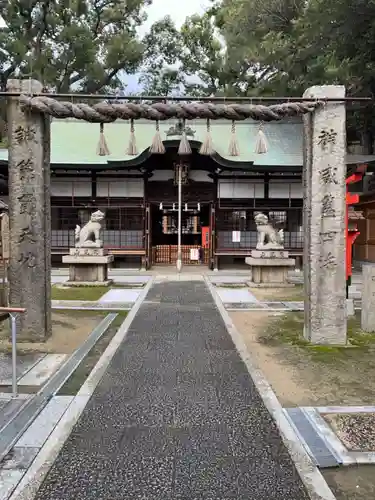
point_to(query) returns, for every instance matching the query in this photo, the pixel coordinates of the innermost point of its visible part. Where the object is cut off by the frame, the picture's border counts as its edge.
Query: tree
(81, 45)
(161, 70)
(191, 61)
(290, 45)
(202, 56)
(261, 36)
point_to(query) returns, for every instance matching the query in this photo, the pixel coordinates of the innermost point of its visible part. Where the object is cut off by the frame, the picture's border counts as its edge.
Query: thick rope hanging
(106, 112)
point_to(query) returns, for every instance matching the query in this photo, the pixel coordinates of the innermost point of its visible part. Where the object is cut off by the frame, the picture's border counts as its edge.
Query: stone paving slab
(90, 305)
(24, 363)
(175, 416)
(121, 295)
(229, 279)
(239, 295)
(140, 278)
(55, 279)
(9, 407)
(245, 305)
(295, 305)
(276, 305)
(43, 425)
(42, 371)
(19, 458)
(8, 481)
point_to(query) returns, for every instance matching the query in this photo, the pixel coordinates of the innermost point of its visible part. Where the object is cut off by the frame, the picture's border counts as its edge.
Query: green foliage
(161, 70)
(190, 61)
(81, 45)
(290, 45)
(236, 48)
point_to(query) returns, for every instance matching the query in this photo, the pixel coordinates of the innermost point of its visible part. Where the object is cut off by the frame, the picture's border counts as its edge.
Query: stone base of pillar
(270, 268)
(88, 266)
(368, 298)
(350, 311)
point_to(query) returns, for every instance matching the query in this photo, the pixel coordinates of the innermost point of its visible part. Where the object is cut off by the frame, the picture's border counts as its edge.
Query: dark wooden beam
(266, 186)
(93, 184)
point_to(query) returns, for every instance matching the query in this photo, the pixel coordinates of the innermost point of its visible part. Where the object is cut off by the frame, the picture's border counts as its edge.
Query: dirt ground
(306, 376)
(302, 375)
(283, 378)
(351, 483)
(69, 330)
(292, 294)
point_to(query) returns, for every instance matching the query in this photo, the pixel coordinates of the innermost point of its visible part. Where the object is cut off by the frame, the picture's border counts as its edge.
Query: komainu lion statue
(268, 236)
(89, 234)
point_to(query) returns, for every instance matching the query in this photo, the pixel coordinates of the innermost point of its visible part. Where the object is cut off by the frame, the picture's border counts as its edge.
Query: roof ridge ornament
(179, 128)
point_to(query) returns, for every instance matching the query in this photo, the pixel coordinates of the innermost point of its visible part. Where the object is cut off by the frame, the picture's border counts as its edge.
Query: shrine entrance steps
(176, 416)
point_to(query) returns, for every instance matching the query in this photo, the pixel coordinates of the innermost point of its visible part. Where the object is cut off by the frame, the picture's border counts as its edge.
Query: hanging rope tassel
(234, 149)
(102, 149)
(132, 148)
(261, 145)
(184, 147)
(207, 145)
(157, 146)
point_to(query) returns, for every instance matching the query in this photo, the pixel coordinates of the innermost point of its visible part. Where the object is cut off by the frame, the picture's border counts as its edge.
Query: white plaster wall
(285, 189)
(119, 188)
(240, 188)
(72, 186)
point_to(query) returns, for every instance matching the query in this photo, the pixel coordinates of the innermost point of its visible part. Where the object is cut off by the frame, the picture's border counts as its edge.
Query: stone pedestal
(88, 266)
(270, 268)
(324, 177)
(368, 298)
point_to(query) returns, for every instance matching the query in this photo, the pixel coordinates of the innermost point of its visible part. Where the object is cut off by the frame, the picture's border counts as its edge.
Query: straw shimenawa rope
(106, 112)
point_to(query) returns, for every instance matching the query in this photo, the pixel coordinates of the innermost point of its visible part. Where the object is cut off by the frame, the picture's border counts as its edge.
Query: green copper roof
(75, 142)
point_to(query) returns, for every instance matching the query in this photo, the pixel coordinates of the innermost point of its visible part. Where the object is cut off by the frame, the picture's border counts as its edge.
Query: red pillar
(351, 235)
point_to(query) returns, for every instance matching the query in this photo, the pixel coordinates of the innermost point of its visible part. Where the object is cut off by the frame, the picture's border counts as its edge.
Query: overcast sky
(177, 9)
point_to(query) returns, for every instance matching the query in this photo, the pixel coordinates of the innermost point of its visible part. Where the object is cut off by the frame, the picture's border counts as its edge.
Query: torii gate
(324, 114)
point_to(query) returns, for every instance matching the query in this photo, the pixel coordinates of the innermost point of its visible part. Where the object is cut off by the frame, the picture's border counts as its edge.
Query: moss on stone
(288, 330)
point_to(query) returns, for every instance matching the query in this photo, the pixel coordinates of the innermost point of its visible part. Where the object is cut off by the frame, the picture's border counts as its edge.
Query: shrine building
(139, 194)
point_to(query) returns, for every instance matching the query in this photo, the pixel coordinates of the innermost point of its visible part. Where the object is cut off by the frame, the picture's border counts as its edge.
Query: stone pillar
(29, 211)
(5, 248)
(368, 298)
(324, 218)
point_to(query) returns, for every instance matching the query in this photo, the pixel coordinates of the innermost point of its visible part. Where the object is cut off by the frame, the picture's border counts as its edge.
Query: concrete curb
(346, 456)
(315, 483)
(31, 481)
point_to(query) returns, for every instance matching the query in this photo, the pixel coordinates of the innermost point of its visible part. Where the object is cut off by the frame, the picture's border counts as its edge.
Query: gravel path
(176, 416)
